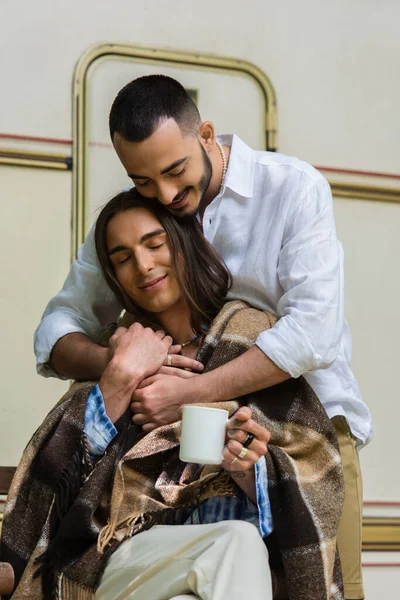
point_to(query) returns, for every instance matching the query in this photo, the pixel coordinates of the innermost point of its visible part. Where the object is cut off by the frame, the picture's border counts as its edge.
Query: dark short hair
(142, 105)
(202, 276)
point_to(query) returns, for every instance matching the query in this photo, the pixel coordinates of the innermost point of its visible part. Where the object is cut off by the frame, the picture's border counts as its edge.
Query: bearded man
(271, 219)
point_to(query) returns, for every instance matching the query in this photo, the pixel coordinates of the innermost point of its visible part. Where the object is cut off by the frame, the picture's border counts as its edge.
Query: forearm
(250, 372)
(246, 480)
(77, 356)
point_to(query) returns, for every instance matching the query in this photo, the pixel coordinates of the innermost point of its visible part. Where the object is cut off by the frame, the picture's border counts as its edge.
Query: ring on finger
(235, 459)
(169, 360)
(248, 440)
(243, 453)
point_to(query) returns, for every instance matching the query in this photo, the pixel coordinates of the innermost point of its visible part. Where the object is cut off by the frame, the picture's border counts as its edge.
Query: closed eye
(141, 184)
(178, 174)
(124, 260)
(155, 247)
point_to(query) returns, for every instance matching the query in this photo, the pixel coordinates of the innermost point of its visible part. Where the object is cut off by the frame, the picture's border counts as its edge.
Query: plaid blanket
(64, 518)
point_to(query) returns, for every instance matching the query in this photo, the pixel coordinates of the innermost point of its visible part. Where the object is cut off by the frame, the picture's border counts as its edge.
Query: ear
(207, 135)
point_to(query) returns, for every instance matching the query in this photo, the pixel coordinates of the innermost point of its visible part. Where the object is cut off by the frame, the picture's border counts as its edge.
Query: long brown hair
(202, 276)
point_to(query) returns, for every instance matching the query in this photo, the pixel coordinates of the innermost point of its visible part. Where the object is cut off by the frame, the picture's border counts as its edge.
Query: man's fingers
(176, 372)
(139, 419)
(241, 436)
(118, 332)
(136, 407)
(146, 382)
(252, 456)
(237, 434)
(244, 413)
(167, 341)
(175, 349)
(183, 362)
(239, 464)
(239, 431)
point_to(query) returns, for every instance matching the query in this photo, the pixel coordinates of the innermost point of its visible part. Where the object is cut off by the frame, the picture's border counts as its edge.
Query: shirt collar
(240, 173)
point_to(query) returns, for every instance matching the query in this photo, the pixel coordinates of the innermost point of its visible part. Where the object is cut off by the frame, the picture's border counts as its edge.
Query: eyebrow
(174, 165)
(144, 238)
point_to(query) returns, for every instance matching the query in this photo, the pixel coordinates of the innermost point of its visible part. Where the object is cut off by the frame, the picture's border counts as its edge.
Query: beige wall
(369, 232)
(34, 257)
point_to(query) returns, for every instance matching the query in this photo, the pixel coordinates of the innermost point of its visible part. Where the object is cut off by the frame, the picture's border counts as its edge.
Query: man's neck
(176, 322)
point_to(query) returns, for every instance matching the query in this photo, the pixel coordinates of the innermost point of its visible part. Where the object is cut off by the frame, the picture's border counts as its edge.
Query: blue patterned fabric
(263, 503)
(100, 431)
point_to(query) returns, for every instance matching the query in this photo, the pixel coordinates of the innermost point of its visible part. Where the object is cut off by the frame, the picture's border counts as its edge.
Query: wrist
(122, 375)
(117, 386)
(196, 391)
(241, 474)
(101, 356)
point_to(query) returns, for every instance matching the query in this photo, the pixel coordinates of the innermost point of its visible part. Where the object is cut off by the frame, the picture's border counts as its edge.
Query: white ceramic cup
(203, 434)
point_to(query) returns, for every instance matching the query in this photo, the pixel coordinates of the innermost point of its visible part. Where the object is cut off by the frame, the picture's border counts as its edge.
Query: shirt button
(210, 221)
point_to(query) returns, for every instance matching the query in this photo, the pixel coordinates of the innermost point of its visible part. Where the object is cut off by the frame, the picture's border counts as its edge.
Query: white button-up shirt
(274, 226)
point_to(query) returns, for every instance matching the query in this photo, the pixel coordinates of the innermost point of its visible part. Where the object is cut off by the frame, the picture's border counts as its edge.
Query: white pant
(219, 561)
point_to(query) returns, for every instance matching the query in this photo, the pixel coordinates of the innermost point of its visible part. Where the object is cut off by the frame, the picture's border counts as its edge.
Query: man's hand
(137, 353)
(238, 429)
(156, 402)
(247, 373)
(180, 362)
(242, 469)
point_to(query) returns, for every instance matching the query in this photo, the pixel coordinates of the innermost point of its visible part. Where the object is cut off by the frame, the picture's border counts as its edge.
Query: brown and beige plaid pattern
(140, 481)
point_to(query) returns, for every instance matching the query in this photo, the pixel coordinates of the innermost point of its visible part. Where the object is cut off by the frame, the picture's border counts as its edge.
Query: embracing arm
(157, 400)
(250, 372)
(76, 356)
(308, 333)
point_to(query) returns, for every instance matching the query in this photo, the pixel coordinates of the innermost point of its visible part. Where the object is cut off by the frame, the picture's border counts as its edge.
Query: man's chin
(185, 211)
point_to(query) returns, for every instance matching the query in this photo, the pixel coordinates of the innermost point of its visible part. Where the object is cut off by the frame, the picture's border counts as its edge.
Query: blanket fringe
(105, 536)
(124, 529)
(219, 484)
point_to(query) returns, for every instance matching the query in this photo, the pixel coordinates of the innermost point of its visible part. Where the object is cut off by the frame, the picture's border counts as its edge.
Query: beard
(207, 174)
(202, 187)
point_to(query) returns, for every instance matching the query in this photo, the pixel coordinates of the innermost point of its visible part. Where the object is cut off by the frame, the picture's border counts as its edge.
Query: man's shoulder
(282, 165)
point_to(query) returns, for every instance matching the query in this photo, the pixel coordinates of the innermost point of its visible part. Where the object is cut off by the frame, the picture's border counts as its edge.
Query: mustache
(181, 194)
(178, 196)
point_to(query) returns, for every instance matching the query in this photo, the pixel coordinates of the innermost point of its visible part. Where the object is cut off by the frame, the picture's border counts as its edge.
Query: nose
(144, 262)
(166, 192)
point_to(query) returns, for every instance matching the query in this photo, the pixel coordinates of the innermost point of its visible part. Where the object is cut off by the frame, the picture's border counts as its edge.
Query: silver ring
(232, 461)
(243, 453)
(169, 360)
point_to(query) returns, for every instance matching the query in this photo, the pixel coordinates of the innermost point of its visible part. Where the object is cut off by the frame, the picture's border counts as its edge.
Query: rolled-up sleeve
(310, 270)
(85, 305)
(99, 429)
